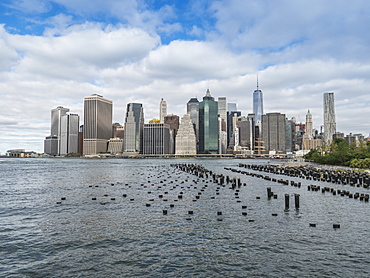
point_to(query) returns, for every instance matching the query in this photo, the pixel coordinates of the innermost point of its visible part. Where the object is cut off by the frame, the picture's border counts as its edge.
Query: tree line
(339, 152)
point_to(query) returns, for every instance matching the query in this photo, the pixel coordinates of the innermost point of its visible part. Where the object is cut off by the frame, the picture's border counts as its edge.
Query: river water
(52, 226)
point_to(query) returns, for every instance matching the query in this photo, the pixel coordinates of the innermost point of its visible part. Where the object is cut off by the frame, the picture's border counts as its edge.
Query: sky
(54, 53)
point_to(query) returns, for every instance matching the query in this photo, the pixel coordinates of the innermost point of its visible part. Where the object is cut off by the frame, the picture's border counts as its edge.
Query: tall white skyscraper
(329, 118)
(309, 125)
(162, 110)
(97, 124)
(185, 139)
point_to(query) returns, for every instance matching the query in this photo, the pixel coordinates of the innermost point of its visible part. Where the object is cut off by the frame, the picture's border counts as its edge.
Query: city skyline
(56, 53)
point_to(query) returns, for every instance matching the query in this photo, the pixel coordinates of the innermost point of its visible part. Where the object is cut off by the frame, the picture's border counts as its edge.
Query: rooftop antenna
(257, 82)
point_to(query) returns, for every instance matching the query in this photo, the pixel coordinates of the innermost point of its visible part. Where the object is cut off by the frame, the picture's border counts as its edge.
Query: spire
(257, 82)
(208, 93)
(308, 113)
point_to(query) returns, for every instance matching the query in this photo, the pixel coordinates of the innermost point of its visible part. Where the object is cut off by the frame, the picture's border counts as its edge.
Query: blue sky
(56, 52)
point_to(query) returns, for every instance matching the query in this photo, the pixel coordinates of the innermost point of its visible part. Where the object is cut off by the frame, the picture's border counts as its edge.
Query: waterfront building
(162, 110)
(115, 145)
(157, 139)
(97, 124)
(192, 108)
(208, 125)
(222, 113)
(70, 124)
(274, 132)
(329, 118)
(55, 131)
(134, 124)
(186, 143)
(51, 145)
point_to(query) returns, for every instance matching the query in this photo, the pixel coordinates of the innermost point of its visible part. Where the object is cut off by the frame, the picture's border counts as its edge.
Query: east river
(124, 218)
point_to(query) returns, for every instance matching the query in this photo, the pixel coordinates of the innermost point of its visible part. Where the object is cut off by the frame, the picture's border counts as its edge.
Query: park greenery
(339, 152)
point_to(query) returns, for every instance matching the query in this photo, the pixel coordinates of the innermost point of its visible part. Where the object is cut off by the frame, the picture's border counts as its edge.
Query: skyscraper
(185, 139)
(258, 105)
(231, 124)
(157, 139)
(162, 110)
(329, 118)
(208, 125)
(173, 121)
(309, 125)
(222, 112)
(274, 132)
(192, 108)
(308, 140)
(52, 142)
(134, 124)
(70, 124)
(97, 124)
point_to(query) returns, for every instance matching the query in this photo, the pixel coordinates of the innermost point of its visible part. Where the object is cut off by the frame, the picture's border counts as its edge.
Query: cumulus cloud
(299, 51)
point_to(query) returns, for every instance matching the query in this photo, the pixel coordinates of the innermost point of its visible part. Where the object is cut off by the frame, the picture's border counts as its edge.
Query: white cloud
(299, 50)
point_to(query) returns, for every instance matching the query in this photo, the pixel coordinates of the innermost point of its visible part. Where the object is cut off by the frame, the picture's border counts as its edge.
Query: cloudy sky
(53, 53)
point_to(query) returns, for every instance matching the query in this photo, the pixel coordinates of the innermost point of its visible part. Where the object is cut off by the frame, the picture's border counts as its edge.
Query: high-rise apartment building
(274, 132)
(157, 139)
(162, 110)
(208, 125)
(186, 143)
(70, 124)
(222, 113)
(134, 124)
(97, 124)
(329, 118)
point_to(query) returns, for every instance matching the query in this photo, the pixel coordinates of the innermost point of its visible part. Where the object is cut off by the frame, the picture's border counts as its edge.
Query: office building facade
(70, 124)
(274, 132)
(192, 108)
(157, 139)
(222, 113)
(329, 118)
(134, 125)
(162, 110)
(186, 143)
(208, 125)
(97, 124)
(258, 106)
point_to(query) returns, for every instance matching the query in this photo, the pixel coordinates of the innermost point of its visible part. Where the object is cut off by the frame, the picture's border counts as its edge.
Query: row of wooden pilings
(317, 174)
(362, 197)
(202, 172)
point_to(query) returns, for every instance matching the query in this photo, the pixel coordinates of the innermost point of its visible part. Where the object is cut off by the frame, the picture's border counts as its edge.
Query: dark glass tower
(258, 105)
(208, 125)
